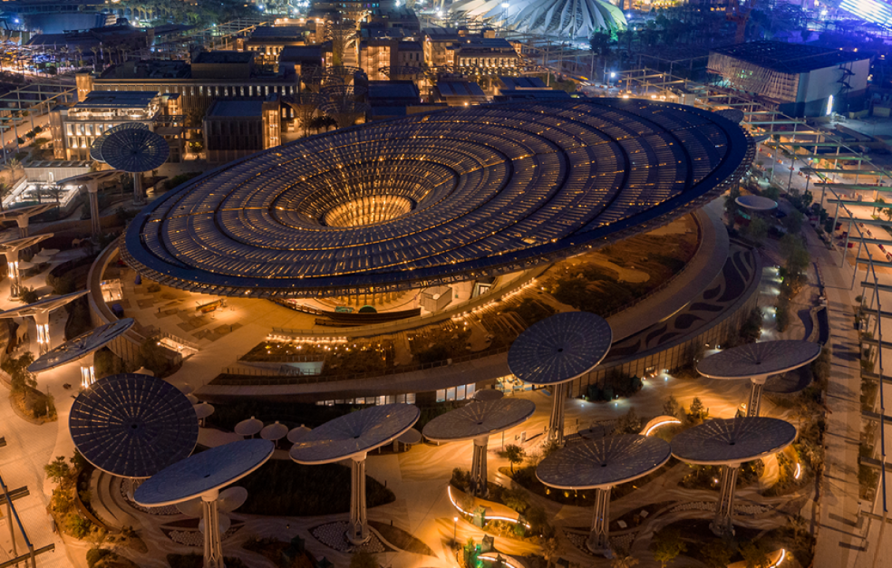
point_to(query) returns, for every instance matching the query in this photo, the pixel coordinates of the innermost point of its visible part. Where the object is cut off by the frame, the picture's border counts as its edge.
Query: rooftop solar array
(204, 472)
(603, 463)
(560, 348)
(134, 150)
(493, 189)
(355, 434)
(96, 146)
(81, 346)
(479, 418)
(732, 441)
(133, 425)
(753, 360)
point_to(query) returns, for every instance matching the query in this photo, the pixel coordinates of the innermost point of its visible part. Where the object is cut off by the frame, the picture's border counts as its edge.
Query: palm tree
(95, 50)
(12, 166)
(5, 188)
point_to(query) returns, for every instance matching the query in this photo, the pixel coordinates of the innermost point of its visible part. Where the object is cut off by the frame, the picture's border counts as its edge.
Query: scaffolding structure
(753, 78)
(824, 155)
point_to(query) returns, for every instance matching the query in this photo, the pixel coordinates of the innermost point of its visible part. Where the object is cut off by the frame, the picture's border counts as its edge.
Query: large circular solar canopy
(80, 346)
(603, 463)
(434, 198)
(133, 425)
(560, 348)
(734, 440)
(205, 472)
(479, 418)
(755, 360)
(96, 146)
(355, 434)
(134, 150)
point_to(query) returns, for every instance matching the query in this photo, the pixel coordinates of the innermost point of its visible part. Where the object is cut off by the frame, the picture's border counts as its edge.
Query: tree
(672, 408)
(550, 551)
(514, 454)
(623, 560)
(5, 189)
(697, 410)
(516, 499)
(716, 554)
(17, 369)
(757, 230)
(56, 192)
(628, 424)
(12, 167)
(755, 555)
(363, 559)
(667, 545)
(878, 201)
(28, 295)
(57, 470)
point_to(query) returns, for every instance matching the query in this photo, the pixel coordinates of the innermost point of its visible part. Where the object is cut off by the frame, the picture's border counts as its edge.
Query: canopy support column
(42, 319)
(138, 196)
(479, 485)
(93, 193)
(88, 374)
(22, 222)
(721, 524)
(12, 270)
(358, 531)
(213, 545)
(754, 405)
(556, 423)
(597, 541)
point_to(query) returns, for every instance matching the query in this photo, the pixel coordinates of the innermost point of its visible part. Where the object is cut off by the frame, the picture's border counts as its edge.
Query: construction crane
(734, 13)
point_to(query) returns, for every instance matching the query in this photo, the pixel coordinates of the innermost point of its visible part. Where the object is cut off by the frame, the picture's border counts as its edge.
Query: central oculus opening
(367, 210)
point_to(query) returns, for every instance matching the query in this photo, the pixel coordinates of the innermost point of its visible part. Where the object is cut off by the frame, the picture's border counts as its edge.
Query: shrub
(77, 526)
(29, 295)
(94, 555)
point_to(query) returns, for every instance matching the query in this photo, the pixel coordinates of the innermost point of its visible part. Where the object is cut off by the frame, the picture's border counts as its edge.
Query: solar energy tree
(556, 351)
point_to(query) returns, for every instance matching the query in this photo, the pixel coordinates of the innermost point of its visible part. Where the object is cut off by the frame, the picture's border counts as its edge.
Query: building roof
(494, 189)
(299, 52)
(459, 89)
(217, 57)
(237, 109)
(509, 95)
(390, 90)
(117, 99)
(284, 32)
(523, 82)
(148, 69)
(789, 57)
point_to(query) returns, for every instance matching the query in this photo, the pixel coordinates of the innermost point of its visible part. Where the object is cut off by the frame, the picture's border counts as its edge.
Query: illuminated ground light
(660, 424)
(505, 561)
(488, 517)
